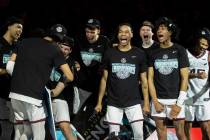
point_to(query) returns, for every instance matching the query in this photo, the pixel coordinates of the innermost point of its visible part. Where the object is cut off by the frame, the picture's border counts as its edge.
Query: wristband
(10, 67)
(182, 97)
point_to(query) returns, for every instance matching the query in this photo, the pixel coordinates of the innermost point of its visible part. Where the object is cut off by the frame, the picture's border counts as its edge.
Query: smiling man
(124, 66)
(198, 88)
(12, 31)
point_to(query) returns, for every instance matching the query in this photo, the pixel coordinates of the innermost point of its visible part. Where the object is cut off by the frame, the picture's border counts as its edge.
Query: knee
(180, 133)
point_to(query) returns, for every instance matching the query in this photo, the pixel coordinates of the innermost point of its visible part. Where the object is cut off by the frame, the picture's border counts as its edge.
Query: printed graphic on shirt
(198, 66)
(166, 66)
(123, 70)
(88, 57)
(55, 76)
(6, 58)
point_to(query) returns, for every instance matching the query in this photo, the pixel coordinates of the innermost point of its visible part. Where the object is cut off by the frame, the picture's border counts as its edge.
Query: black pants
(6, 129)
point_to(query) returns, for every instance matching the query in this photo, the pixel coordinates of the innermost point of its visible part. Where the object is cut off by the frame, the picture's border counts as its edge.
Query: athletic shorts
(198, 112)
(27, 113)
(167, 109)
(114, 115)
(60, 110)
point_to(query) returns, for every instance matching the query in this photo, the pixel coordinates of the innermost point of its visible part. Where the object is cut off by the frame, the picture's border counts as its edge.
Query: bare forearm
(144, 86)
(67, 72)
(58, 89)
(184, 79)
(152, 90)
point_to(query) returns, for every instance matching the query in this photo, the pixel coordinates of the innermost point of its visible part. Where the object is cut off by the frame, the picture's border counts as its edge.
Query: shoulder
(179, 47)
(110, 50)
(103, 38)
(141, 54)
(138, 50)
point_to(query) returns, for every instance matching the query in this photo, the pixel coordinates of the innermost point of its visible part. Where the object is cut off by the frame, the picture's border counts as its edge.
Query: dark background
(188, 15)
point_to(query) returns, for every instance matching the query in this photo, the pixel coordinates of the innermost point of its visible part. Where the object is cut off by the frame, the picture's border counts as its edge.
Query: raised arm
(67, 72)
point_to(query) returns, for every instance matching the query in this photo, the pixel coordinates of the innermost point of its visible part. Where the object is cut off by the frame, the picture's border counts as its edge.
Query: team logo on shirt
(6, 58)
(91, 50)
(123, 70)
(166, 66)
(55, 76)
(123, 60)
(88, 57)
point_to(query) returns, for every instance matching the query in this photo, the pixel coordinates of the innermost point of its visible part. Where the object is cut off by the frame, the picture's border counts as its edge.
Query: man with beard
(198, 87)
(124, 66)
(168, 80)
(13, 30)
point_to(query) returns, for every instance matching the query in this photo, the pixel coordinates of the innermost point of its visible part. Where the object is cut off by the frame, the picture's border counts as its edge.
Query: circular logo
(123, 60)
(90, 50)
(165, 56)
(59, 29)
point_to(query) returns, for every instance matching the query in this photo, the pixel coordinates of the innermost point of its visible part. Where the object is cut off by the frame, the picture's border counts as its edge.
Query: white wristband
(182, 97)
(10, 67)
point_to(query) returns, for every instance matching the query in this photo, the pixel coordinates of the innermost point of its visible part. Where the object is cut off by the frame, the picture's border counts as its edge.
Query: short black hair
(124, 24)
(10, 21)
(169, 24)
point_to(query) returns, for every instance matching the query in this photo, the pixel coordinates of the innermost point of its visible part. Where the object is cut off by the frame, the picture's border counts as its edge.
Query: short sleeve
(143, 63)
(58, 59)
(105, 60)
(183, 58)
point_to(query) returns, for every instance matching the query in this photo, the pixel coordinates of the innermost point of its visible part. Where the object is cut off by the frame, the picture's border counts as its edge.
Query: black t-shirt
(91, 55)
(149, 50)
(57, 76)
(5, 53)
(167, 63)
(124, 70)
(35, 59)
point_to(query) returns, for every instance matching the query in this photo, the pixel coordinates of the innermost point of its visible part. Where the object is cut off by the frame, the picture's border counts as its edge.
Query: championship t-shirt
(167, 63)
(124, 70)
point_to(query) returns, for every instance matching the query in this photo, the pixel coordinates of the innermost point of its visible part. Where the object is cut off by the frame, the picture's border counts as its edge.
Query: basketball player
(198, 88)
(168, 80)
(124, 66)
